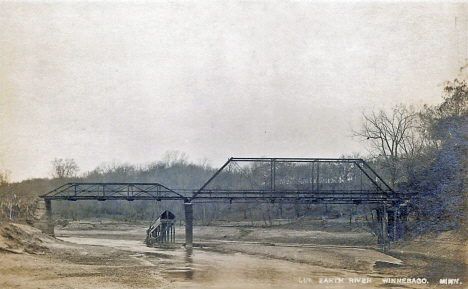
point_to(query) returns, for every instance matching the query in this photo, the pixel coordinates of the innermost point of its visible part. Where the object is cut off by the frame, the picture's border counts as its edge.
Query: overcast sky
(101, 82)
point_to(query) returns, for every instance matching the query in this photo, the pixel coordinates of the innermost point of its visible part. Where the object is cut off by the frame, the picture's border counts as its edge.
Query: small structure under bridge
(161, 232)
(265, 180)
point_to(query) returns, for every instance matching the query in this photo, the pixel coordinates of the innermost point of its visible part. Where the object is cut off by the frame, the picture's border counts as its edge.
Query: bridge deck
(155, 191)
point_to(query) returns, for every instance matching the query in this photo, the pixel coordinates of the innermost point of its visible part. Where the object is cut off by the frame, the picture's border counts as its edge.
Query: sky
(126, 82)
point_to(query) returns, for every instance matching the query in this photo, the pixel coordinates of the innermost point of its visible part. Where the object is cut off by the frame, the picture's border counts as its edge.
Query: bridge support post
(385, 239)
(402, 222)
(396, 214)
(49, 218)
(392, 223)
(188, 225)
(379, 225)
(382, 219)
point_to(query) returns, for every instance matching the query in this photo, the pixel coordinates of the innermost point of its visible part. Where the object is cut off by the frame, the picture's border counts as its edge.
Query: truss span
(112, 191)
(298, 180)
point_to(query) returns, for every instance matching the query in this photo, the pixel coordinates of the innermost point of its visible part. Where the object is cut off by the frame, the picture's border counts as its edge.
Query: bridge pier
(397, 220)
(392, 225)
(188, 207)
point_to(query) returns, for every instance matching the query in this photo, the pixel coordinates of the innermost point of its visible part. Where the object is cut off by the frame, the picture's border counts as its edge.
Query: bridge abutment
(49, 218)
(43, 217)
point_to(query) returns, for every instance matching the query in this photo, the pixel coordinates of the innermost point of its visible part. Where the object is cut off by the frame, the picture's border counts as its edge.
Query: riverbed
(223, 263)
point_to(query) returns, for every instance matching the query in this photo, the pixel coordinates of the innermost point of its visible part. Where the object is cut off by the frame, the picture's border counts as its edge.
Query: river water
(205, 268)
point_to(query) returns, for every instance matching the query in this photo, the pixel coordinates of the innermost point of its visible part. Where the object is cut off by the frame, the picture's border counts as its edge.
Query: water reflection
(189, 263)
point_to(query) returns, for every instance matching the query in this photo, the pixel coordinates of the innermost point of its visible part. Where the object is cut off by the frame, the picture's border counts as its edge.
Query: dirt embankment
(18, 238)
(31, 259)
(439, 256)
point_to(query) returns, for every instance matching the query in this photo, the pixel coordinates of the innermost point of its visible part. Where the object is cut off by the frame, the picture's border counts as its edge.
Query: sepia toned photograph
(233, 144)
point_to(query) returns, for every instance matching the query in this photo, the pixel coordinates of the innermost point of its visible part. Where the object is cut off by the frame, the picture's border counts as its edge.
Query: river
(207, 268)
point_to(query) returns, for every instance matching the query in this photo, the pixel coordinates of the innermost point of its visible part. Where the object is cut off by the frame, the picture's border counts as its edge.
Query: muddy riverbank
(100, 254)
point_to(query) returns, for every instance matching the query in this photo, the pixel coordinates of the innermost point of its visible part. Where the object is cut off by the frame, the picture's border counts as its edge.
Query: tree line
(424, 152)
(421, 151)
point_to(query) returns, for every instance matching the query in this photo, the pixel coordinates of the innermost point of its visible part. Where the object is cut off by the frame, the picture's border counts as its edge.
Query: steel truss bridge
(268, 180)
(263, 180)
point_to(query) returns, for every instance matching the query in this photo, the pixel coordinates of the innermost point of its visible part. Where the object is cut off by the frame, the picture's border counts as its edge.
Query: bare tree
(64, 168)
(174, 157)
(4, 176)
(392, 136)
